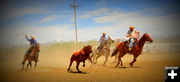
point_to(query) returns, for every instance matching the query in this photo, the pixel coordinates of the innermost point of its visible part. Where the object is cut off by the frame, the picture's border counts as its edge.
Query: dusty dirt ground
(53, 64)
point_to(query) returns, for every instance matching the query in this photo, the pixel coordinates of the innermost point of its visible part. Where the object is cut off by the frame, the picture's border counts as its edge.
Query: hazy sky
(51, 20)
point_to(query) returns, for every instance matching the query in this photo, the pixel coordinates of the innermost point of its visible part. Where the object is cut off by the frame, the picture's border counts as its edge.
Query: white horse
(105, 51)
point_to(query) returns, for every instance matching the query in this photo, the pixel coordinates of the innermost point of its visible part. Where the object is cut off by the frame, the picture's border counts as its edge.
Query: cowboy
(132, 36)
(102, 39)
(33, 44)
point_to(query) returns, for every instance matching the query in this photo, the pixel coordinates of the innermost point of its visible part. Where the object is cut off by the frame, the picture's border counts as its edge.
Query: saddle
(127, 43)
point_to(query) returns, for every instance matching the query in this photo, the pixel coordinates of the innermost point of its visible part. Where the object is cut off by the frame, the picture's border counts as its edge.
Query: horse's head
(146, 37)
(88, 49)
(110, 40)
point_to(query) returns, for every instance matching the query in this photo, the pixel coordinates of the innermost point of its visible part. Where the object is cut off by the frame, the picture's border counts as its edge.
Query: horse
(81, 56)
(106, 51)
(116, 44)
(31, 55)
(136, 50)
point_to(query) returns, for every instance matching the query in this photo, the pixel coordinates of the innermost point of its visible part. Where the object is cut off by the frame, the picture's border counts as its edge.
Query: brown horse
(31, 55)
(136, 51)
(81, 56)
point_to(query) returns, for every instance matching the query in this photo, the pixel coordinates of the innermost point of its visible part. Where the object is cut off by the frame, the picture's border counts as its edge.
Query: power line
(75, 6)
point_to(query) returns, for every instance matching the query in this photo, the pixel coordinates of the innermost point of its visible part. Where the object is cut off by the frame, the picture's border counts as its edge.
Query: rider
(33, 44)
(102, 39)
(132, 36)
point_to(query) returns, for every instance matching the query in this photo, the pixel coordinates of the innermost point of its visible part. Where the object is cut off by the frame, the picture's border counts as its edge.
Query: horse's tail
(114, 52)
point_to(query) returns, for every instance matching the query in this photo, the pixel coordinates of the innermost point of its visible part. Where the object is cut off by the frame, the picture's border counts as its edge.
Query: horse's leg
(70, 65)
(93, 56)
(84, 63)
(28, 64)
(77, 67)
(106, 56)
(105, 60)
(99, 55)
(119, 60)
(134, 60)
(35, 64)
(23, 62)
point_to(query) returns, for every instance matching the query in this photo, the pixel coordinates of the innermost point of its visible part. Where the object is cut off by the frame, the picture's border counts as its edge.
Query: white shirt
(132, 34)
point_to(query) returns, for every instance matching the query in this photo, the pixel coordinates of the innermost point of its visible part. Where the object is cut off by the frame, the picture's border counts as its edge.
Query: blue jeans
(131, 42)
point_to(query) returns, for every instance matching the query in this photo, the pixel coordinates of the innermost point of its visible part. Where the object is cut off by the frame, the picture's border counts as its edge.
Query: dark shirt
(32, 41)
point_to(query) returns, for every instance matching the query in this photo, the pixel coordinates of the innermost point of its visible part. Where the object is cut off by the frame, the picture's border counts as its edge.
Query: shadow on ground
(76, 72)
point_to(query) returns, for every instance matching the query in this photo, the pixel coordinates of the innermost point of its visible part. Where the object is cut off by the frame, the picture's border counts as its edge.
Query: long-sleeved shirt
(133, 34)
(103, 38)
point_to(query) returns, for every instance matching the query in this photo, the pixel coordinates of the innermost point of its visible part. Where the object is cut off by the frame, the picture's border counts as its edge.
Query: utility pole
(74, 6)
